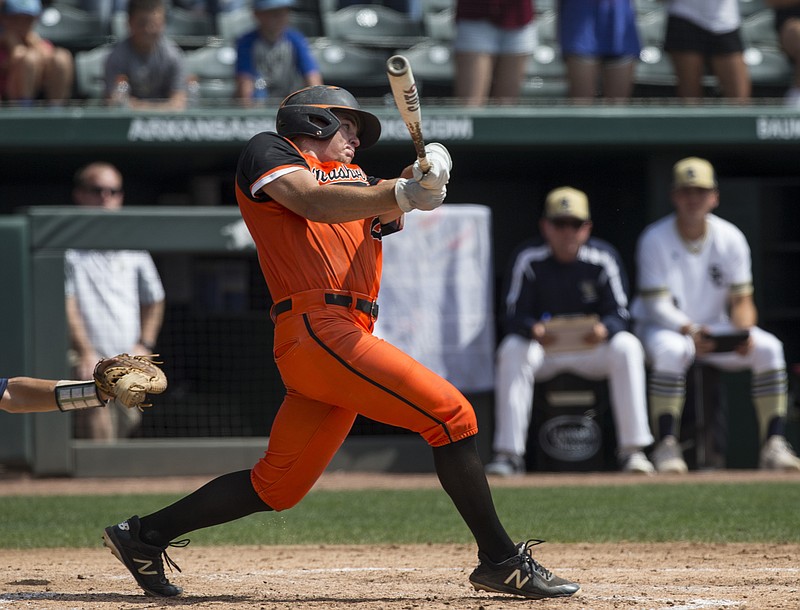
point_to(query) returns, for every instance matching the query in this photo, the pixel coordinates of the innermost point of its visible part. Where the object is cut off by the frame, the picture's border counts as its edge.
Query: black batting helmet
(310, 112)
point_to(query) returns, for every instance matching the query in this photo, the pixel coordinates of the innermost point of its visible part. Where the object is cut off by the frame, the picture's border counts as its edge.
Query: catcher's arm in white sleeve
(30, 395)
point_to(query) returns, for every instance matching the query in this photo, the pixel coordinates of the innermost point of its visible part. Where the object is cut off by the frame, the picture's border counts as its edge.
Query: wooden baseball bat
(406, 96)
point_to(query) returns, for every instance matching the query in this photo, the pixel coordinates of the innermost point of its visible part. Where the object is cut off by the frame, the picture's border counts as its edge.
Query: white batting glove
(411, 195)
(439, 173)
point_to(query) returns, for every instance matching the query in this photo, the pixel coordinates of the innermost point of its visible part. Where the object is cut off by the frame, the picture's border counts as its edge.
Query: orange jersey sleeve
(295, 253)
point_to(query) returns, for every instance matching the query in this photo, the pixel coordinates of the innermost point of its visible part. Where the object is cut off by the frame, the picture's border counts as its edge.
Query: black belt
(368, 307)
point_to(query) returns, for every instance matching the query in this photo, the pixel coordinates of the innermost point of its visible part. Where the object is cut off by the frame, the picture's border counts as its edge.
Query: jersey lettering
(340, 173)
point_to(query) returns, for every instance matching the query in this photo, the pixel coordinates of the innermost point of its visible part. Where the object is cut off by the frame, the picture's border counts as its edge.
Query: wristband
(75, 395)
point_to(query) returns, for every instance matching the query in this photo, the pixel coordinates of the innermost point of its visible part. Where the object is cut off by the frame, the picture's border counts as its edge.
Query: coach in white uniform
(694, 278)
(564, 273)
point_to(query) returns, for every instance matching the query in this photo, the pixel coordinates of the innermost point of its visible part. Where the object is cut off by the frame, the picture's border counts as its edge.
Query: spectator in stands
(31, 67)
(151, 64)
(494, 41)
(695, 279)
(701, 32)
(114, 302)
(566, 272)
(600, 46)
(274, 59)
(787, 24)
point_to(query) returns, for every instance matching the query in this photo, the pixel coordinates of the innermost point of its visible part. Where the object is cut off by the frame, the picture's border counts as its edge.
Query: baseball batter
(318, 221)
(566, 272)
(695, 279)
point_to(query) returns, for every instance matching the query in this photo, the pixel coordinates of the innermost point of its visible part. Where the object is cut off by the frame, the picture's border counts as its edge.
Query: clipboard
(569, 332)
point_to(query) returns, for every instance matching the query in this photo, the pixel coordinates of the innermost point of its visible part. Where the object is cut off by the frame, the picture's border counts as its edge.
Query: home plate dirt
(664, 576)
(618, 576)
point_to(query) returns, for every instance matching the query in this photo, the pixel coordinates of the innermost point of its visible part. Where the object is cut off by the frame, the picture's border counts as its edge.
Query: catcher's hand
(128, 379)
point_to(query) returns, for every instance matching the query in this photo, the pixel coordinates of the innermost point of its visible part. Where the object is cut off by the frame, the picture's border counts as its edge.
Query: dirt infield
(670, 576)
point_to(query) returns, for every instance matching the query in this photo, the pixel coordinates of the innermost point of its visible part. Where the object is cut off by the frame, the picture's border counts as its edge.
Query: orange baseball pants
(333, 369)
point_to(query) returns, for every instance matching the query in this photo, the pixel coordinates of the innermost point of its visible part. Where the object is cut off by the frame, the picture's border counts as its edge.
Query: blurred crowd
(492, 50)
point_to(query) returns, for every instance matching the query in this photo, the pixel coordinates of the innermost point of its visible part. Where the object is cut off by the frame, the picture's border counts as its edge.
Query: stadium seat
(768, 67)
(350, 66)
(437, 6)
(441, 25)
(90, 72)
(651, 27)
(72, 28)
(181, 22)
(372, 25)
(654, 68)
(645, 6)
(749, 7)
(307, 6)
(432, 62)
(758, 30)
(307, 23)
(215, 69)
(187, 29)
(545, 74)
(235, 23)
(547, 28)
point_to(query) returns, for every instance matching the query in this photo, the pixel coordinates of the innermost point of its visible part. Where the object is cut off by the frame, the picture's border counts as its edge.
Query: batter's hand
(410, 195)
(439, 172)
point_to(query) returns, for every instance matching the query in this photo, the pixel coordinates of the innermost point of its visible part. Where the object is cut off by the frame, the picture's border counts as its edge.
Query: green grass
(751, 512)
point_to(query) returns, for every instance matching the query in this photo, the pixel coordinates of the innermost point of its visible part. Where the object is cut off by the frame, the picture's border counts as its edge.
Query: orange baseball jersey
(332, 365)
(295, 253)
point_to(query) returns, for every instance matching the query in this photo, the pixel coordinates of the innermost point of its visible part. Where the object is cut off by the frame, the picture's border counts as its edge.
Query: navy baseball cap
(23, 7)
(269, 5)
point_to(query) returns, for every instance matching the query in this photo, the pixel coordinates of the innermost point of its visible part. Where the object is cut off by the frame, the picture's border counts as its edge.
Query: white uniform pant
(522, 362)
(671, 352)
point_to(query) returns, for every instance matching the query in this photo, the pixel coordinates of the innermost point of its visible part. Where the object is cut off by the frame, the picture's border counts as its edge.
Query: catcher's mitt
(128, 379)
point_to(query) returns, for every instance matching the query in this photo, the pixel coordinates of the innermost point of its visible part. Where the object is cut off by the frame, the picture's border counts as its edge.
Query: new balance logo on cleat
(528, 578)
(516, 576)
(144, 568)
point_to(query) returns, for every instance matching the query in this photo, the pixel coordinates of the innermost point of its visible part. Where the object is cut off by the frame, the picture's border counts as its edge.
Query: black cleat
(520, 575)
(142, 560)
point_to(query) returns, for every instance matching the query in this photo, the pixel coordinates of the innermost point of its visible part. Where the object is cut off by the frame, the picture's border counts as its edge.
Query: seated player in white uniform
(567, 273)
(695, 281)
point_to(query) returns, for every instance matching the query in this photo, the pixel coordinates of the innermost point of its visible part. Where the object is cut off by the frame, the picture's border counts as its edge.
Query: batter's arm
(300, 192)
